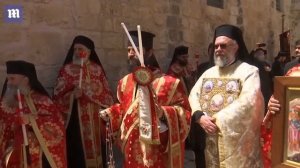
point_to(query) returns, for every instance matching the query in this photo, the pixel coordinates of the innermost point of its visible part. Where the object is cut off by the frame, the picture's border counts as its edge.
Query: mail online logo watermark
(13, 13)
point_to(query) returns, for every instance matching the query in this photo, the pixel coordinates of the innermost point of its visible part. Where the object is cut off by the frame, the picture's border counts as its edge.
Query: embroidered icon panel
(217, 93)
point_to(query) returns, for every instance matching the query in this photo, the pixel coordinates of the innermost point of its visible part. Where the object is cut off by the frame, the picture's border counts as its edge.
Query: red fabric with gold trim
(96, 95)
(173, 100)
(50, 124)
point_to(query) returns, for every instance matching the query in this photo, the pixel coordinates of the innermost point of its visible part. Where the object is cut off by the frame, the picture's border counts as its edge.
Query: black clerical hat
(180, 50)
(147, 39)
(22, 68)
(80, 39)
(84, 41)
(27, 69)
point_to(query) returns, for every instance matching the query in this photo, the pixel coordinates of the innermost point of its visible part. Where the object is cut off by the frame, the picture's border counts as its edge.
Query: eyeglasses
(222, 46)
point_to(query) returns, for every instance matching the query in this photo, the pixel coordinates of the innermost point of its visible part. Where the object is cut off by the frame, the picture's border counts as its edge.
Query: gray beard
(10, 95)
(76, 60)
(24, 90)
(221, 61)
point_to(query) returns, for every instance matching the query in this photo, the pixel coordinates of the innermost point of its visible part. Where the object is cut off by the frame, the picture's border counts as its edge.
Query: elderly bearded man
(228, 104)
(82, 88)
(43, 122)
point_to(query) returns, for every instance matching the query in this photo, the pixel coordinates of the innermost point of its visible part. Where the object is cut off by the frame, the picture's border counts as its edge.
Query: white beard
(222, 61)
(10, 95)
(76, 60)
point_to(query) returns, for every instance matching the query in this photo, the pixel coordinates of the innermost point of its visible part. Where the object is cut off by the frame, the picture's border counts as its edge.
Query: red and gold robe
(45, 132)
(266, 129)
(186, 79)
(96, 95)
(124, 119)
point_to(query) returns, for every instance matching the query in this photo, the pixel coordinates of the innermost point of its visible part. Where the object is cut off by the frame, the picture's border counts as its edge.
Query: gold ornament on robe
(217, 93)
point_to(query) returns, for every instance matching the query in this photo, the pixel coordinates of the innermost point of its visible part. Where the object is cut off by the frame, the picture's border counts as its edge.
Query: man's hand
(77, 92)
(273, 108)
(24, 118)
(273, 105)
(159, 110)
(103, 114)
(208, 124)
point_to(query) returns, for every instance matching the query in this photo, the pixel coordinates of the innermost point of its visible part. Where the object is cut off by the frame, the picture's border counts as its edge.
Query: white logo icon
(13, 13)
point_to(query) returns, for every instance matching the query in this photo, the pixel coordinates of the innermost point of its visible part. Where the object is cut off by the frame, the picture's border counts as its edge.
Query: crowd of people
(216, 111)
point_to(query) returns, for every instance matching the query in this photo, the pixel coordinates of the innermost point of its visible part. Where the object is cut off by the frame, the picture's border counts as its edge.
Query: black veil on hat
(86, 42)
(236, 34)
(180, 50)
(27, 69)
(147, 40)
(80, 39)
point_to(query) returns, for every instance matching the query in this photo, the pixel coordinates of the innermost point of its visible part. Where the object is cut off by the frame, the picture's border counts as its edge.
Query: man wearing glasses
(227, 103)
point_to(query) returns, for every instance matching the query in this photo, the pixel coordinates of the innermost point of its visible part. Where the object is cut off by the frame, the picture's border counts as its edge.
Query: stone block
(47, 75)
(52, 13)
(172, 21)
(159, 19)
(87, 22)
(44, 47)
(112, 40)
(175, 9)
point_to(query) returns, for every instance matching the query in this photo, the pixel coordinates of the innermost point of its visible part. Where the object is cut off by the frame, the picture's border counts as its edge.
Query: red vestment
(45, 131)
(124, 119)
(96, 95)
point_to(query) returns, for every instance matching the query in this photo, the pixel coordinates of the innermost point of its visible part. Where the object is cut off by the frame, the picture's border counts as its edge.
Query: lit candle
(82, 56)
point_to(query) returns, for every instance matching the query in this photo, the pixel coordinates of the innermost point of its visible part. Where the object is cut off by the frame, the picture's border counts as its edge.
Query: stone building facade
(49, 26)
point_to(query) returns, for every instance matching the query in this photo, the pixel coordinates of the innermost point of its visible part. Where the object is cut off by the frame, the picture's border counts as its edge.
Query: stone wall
(49, 27)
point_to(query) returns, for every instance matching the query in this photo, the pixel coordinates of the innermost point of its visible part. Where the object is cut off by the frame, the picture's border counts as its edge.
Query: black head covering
(27, 69)
(297, 42)
(147, 40)
(179, 51)
(282, 54)
(86, 42)
(236, 34)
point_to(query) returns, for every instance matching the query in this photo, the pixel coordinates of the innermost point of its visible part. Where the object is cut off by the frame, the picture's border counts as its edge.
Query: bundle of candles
(26, 154)
(82, 56)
